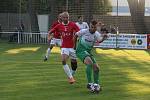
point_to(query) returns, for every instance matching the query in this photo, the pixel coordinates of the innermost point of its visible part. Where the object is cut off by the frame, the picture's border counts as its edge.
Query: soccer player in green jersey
(87, 38)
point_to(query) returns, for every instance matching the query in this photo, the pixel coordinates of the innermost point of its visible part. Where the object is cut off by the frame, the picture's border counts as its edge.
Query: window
(120, 8)
(147, 7)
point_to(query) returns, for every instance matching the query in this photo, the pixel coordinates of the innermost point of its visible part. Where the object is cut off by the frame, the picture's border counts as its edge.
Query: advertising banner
(132, 41)
(128, 41)
(109, 43)
(148, 41)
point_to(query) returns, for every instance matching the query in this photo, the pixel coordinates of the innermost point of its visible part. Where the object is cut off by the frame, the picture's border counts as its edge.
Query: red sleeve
(54, 29)
(54, 24)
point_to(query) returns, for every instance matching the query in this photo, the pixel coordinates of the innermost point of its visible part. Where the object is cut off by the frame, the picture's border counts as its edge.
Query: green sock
(89, 72)
(96, 77)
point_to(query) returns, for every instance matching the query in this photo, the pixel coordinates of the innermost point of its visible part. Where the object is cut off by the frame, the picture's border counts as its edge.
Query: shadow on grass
(24, 76)
(122, 74)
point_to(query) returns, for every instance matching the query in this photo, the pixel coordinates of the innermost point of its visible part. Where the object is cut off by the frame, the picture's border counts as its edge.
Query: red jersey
(56, 35)
(67, 33)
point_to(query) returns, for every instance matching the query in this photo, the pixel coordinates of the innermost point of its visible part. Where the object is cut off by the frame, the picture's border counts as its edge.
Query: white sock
(72, 72)
(48, 52)
(67, 71)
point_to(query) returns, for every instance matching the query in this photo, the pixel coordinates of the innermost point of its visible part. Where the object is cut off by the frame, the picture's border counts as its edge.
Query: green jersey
(87, 39)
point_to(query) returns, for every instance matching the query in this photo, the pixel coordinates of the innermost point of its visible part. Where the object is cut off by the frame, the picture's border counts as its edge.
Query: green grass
(125, 75)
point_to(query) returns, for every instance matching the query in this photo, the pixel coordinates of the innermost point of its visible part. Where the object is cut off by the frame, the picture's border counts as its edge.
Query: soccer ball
(94, 88)
(97, 88)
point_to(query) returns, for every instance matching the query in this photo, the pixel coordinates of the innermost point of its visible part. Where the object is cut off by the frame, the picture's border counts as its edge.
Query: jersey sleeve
(81, 32)
(87, 26)
(54, 29)
(98, 36)
(54, 24)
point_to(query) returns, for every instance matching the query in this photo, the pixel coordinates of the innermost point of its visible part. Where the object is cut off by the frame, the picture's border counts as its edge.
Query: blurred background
(130, 16)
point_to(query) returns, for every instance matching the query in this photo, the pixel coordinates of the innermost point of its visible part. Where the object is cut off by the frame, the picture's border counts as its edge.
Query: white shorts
(70, 52)
(55, 41)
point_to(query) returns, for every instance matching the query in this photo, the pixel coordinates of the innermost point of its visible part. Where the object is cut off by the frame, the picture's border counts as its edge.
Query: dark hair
(93, 22)
(79, 17)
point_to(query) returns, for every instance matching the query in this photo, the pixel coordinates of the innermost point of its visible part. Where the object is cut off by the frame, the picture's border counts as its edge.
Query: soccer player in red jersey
(55, 41)
(67, 29)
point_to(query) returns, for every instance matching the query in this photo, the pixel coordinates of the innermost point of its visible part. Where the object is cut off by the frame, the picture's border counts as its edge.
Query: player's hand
(49, 38)
(48, 42)
(105, 36)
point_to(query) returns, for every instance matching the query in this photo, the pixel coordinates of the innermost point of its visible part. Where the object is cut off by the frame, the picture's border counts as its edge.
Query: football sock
(89, 72)
(96, 76)
(72, 72)
(48, 52)
(67, 71)
(73, 67)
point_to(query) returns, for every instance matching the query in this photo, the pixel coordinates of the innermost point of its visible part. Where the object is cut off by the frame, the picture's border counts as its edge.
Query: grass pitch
(125, 75)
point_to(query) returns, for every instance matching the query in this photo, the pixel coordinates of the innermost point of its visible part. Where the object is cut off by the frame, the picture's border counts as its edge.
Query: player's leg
(89, 64)
(65, 56)
(84, 56)
(48, 52)
(73, 58)
(58, 42)
(96, 75)
(51, 45)
(95, 70)
(73, 66)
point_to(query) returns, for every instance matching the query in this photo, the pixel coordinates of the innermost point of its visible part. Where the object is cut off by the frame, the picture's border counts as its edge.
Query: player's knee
(74, 64)
(88, 60)
(95, 68)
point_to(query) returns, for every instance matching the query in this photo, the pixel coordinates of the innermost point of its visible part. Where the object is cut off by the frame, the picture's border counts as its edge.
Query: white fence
(123, 41)
(24, 37)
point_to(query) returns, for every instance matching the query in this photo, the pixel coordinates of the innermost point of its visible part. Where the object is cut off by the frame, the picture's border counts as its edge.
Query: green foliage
(44, 6)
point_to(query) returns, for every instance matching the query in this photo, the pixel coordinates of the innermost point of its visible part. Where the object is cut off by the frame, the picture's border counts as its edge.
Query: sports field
(125, 75)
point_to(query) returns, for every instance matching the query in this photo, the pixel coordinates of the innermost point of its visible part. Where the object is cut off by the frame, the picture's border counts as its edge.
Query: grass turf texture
(125, 75)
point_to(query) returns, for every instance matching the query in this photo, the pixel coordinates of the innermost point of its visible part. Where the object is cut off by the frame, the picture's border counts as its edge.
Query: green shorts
(82, 53)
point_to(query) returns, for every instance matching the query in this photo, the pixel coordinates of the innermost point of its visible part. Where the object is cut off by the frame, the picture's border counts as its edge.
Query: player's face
(93, 28)
(80, 19)
(65, 18)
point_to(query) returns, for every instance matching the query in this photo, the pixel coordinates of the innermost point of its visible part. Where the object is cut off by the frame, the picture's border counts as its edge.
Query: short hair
(60, 14)
(65, 13)
(79, 17)
(94, 22)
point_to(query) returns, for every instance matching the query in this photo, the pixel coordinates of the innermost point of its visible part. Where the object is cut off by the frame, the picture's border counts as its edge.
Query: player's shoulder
(77, 22)
(72, 23)
(87, 30)
(84, 22)
(58, 25)
(97, 33)
(84, 30)
(55, 23)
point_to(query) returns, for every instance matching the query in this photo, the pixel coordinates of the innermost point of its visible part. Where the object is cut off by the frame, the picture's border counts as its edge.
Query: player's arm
(101, 37)
(76, 28)
(50, 34)
(78, 34)
(87, 26)
(105, 36)
(75, 41)
(51, 31)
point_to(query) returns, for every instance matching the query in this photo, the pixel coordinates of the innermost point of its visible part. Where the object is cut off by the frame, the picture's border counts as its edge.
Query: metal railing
(25, 37)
